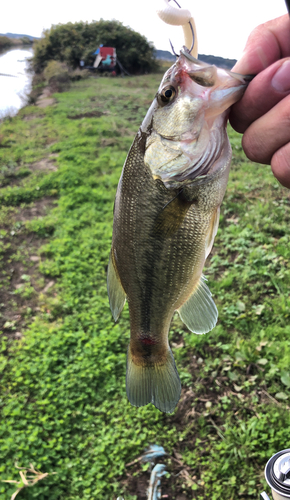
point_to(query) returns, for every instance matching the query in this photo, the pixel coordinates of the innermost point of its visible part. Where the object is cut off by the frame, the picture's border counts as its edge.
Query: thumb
(266, 44)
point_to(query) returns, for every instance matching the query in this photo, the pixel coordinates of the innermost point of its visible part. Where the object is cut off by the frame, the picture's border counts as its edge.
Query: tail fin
(154, 383)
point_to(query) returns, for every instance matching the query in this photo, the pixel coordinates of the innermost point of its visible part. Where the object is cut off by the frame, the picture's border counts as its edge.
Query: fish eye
(166, 95)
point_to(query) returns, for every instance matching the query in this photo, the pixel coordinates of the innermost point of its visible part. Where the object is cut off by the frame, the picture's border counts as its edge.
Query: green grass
(63, 402)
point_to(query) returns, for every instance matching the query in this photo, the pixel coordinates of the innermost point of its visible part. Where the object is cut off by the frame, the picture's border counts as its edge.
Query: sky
(223, 26)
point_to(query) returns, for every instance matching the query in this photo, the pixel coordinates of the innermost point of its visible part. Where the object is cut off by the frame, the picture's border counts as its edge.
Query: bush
(5, 42)
(54, 68)
(25, 40)
(79, 74)
(57, 76)
(38, 84)
(71, 42)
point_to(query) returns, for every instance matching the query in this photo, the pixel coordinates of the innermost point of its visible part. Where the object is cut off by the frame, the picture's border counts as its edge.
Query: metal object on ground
(263, 496)
(154, 490)
(277, 474)
(152, 453)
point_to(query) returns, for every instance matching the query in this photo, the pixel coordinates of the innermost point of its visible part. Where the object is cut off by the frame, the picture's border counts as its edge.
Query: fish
(166, 216)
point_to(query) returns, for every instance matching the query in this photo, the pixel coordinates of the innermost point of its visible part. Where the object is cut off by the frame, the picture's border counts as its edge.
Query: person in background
(263, 114)
(107, 61)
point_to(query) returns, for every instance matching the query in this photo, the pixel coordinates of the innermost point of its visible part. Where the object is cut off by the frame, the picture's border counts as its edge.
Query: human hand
(263, 114)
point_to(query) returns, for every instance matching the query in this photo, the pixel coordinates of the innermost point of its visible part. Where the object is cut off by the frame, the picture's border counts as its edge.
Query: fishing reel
(277, 474)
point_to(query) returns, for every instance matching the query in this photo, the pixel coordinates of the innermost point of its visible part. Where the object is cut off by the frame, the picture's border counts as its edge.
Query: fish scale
(164, 227)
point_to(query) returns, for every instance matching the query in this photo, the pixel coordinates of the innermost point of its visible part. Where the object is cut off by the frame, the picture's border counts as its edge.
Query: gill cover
(187, 134)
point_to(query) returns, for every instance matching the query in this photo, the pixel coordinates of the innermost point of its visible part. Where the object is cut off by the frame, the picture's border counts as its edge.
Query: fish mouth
(244, 79)
(185, 52)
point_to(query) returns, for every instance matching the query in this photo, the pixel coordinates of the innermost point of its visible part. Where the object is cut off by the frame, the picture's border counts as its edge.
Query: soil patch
(89, 114)
(45, 165)
(20, 279)
(38, 209)
(14, 175)
(43, 102)
(45, 99)
(29, 118)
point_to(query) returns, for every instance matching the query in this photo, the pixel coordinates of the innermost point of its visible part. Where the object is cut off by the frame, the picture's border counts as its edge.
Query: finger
(267, 89)
(280, 164)
(266, 44)
(268, 134)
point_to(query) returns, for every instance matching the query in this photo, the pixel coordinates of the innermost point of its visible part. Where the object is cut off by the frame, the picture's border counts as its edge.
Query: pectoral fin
(117, 296)
(212, 232)
(199, 312)
(172, 216)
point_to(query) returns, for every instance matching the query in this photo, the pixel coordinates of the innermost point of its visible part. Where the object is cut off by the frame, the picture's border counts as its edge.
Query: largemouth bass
(166, 217)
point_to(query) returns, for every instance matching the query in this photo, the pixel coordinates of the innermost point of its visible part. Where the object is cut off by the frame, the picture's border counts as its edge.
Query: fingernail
(252, 61)
(281, 79)
(242, 64)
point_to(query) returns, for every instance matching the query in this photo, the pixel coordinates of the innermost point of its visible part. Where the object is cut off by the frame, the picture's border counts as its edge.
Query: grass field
(63, 360)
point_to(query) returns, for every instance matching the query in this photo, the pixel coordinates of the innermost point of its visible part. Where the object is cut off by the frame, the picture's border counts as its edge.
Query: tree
(72, 42)
(5, 42)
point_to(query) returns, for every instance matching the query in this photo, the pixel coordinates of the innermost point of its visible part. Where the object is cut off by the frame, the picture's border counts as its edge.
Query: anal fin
(117, 295)
(199, 312)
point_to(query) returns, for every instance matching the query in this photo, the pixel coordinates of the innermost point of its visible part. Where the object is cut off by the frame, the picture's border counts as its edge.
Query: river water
(14, 80)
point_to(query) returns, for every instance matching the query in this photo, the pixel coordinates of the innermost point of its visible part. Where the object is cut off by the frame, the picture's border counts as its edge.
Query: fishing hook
(172, 48)
(193, 40)
(192, 31)
(176, 3)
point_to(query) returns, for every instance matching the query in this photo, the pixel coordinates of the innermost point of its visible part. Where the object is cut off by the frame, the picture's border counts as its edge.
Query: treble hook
(192, 31)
